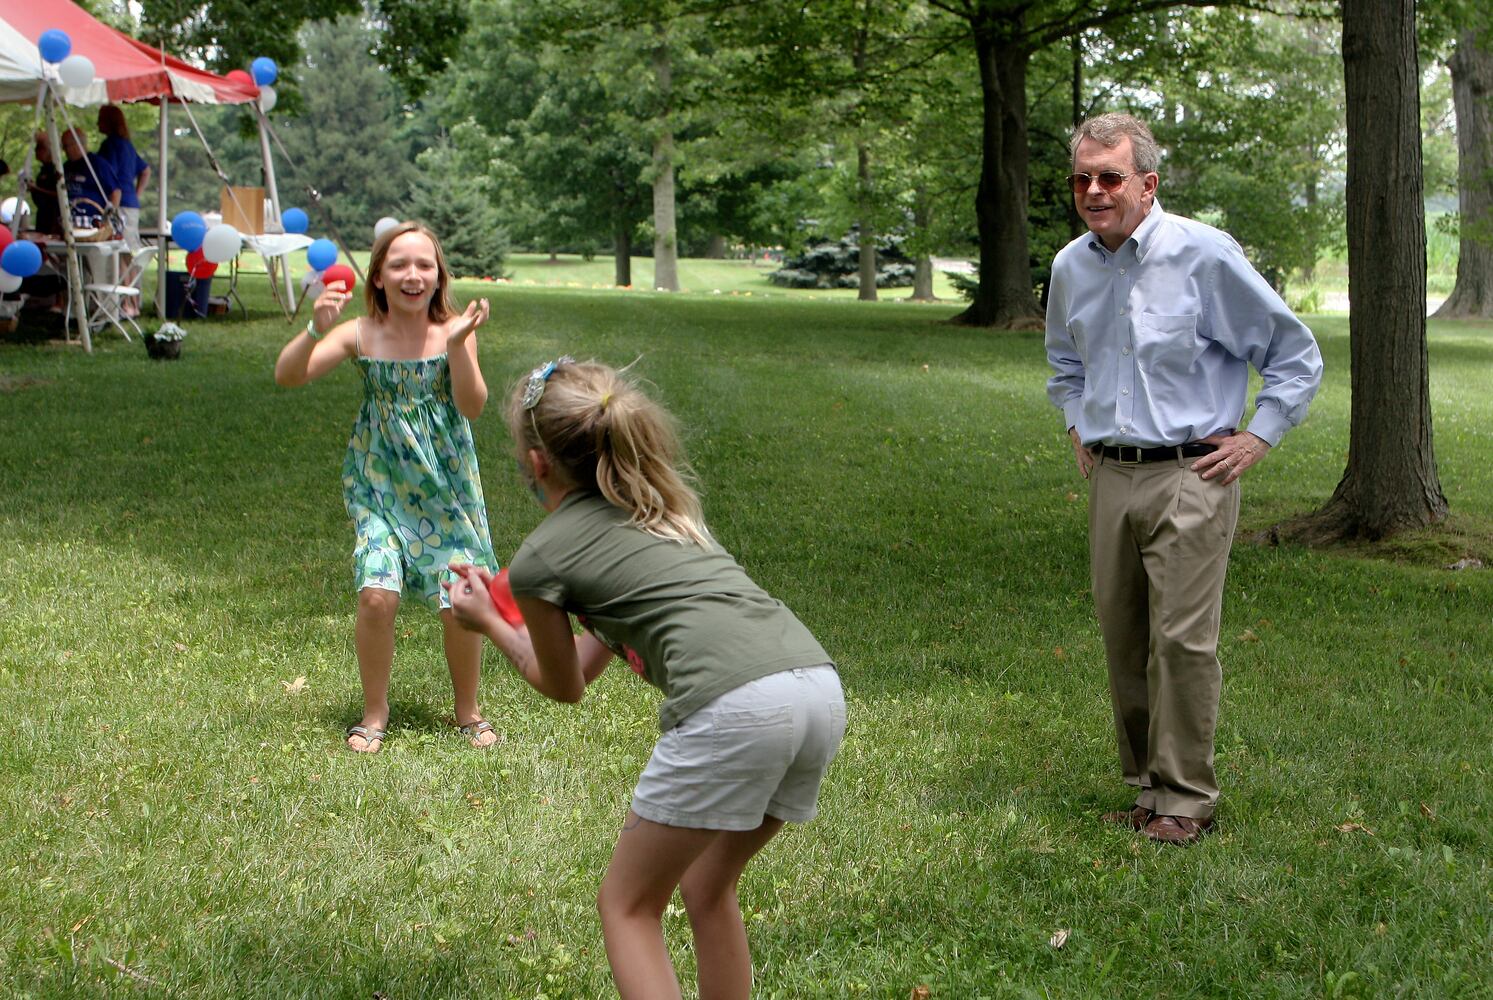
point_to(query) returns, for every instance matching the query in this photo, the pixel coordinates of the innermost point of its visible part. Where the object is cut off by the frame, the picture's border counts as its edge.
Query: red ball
(242, 79)
(502, 597)
(199, 266)
(342, 273)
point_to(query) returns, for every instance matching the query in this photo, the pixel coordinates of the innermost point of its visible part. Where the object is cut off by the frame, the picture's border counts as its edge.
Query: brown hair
(442, 307)
(111, 121)
(602, 432)
(1107, 130)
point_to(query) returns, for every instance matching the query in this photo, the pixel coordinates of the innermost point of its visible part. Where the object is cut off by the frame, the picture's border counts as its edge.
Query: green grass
(173, 554)
(697, 276)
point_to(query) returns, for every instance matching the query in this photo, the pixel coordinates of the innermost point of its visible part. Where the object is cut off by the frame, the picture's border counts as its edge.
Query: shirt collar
(1143, 237)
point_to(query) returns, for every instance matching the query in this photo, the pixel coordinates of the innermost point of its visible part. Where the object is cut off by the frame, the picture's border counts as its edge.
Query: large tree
(1391, 481)
(413, 39)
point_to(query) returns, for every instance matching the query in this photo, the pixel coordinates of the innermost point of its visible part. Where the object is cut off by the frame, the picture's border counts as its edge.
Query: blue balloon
(264, 71)
(294, 220)
(54, 45)
(321, 255)
(21, 259)
(188, 229)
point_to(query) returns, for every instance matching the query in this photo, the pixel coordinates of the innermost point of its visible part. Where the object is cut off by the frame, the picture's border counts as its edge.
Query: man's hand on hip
(1081, 455)
(1236, 452)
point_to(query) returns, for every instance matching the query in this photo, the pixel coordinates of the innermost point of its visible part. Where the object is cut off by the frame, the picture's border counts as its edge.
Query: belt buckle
(1132, 449)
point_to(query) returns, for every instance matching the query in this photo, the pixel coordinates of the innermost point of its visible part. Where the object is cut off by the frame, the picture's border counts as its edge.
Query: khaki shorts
(756, 751)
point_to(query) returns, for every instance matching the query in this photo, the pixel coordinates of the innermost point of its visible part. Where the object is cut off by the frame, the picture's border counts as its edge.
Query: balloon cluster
(321, 255)
(261, 75)
(19, 259)
(73, 69)
(206, 247)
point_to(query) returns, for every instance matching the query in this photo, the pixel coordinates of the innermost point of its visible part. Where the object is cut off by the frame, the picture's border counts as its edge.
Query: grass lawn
(176, 670)
(697, 276)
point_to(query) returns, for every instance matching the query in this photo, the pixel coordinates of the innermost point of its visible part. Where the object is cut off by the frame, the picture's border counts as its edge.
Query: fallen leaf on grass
(1248, 635)
(920, 993)
(1468, 563)
(296, 686)
(1353, 828)
(180, 647)
(1425, 811)
(1059, 938)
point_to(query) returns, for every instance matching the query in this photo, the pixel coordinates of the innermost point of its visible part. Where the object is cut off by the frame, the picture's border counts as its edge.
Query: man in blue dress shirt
(1153, 321)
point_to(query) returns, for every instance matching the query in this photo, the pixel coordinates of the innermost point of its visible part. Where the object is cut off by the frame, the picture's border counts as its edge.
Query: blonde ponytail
(604, 433)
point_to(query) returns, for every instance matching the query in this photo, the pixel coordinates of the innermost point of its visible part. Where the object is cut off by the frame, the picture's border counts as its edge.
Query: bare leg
(709, 891)
(374, 635)
(464, 660)
(647, 863)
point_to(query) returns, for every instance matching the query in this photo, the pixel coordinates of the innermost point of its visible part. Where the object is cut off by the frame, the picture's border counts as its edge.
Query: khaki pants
(1159, 538)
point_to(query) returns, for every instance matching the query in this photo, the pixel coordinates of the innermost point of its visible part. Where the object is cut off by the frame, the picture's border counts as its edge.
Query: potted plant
(165, 343)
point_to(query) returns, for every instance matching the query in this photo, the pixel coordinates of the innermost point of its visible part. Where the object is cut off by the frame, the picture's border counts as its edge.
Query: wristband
(311, 329)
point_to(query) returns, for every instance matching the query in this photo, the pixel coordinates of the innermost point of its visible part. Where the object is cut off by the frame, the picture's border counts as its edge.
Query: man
(1152, 323)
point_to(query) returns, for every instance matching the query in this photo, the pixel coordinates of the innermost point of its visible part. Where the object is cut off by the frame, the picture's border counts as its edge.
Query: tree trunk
(715, 247)
(867, 236)
(1391, 481)
(1004, 297)
(922, 274)
(1472, 98)
(622, 257)
(665, 235)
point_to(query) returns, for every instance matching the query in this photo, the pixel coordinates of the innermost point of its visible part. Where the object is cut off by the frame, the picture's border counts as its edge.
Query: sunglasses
(1109, 180)
(534, 389)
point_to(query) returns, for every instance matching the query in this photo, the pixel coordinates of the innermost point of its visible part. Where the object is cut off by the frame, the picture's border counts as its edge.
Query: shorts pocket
(752, 742)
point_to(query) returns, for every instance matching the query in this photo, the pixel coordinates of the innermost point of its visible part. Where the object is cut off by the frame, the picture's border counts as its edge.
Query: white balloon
(76, 70)
(267, 98)
(384, 225)
(9, 282)
(221, 244)
(8, 210)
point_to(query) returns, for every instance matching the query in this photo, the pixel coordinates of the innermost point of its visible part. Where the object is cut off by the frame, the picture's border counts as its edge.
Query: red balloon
(199, 266)
(502, 597)
(6, 239)
(342, 273)
(242, 79)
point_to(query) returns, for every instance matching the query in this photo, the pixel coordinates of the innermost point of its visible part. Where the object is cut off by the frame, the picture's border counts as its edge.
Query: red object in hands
(199, 266)
(502, 597)
(342, 273)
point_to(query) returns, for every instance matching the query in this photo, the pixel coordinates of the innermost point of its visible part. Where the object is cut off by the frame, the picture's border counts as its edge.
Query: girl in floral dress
(410, 479)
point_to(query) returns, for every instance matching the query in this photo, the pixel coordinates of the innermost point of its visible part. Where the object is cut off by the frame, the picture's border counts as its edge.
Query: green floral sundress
(410, 481)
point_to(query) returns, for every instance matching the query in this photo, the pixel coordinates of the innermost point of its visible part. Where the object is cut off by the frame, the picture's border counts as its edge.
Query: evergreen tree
(450, 196)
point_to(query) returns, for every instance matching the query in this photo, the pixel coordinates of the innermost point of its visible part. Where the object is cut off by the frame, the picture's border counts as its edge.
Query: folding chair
(106, 301)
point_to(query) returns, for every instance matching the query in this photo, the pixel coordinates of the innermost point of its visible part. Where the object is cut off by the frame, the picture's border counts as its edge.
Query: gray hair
(1108, 130)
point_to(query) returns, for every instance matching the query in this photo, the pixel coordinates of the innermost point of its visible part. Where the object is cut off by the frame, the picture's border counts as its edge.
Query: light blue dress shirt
(1151, 345)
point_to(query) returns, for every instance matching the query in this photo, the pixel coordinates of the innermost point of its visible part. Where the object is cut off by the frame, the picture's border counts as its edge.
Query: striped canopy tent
(125, 70)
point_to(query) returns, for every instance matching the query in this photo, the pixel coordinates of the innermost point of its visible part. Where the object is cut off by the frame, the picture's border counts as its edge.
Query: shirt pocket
(1166, 345)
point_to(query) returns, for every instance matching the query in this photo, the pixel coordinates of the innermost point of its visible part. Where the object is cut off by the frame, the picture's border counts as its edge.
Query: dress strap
(358, 338)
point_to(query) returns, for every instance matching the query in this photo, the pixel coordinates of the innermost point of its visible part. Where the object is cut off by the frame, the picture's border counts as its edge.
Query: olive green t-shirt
(686, 617)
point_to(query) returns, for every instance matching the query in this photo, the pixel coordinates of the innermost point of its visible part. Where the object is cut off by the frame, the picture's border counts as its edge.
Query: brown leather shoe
(1136, 817)
(1181, 830)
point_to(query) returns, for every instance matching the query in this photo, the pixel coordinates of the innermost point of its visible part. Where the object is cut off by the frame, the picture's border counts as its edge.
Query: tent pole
(269, 182)
(74, 272)
(163, 223)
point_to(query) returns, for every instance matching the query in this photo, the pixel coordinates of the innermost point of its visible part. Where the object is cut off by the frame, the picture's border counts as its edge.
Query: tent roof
(125, 69)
